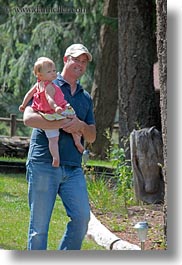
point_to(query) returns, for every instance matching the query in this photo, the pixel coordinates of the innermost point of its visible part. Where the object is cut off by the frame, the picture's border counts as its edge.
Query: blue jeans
(44, 183)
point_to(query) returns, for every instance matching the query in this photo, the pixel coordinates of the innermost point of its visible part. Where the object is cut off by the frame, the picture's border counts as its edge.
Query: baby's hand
(21, 108)
(59, 110)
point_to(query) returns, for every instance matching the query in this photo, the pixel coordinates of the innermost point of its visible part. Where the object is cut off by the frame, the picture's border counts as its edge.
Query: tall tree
(137, 53)
(105, 85)
(162, 57)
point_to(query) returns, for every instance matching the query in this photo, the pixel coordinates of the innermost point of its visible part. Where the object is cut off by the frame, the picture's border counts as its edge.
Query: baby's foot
(55, 162)
(80, 147)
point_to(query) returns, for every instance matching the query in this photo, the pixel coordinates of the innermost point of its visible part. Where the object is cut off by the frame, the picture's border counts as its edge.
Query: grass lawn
(90, 162)
(101, 163)
(14, 216)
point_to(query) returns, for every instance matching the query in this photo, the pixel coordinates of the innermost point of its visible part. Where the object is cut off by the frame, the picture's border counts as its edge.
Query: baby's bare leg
(77, 140)
(53, 147)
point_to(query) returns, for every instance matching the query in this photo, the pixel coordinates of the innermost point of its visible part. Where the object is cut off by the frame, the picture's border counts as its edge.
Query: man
(67, 181)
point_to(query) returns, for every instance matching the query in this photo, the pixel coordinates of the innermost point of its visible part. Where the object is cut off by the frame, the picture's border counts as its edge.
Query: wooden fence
(13, 123)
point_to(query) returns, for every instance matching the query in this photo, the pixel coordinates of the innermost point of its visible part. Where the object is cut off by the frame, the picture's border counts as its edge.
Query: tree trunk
(162, 58)
(105, 86)
(137, 50)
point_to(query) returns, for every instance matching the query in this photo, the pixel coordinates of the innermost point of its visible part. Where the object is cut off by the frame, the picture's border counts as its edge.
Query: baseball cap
(76, 50)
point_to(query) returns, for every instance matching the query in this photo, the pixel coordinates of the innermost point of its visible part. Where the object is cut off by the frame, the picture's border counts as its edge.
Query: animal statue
(146, 150)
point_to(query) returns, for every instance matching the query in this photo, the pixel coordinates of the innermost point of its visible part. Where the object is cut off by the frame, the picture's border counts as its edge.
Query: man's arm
(73, 125)
(88, 132)
(35, 120)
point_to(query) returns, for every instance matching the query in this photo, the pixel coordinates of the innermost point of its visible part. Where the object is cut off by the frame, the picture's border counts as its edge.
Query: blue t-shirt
(69, 155)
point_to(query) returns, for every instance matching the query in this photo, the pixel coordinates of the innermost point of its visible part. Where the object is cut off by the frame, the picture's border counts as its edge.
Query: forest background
(122, 39)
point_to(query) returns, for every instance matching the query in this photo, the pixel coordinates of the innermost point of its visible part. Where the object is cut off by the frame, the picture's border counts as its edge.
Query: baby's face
(48, 73)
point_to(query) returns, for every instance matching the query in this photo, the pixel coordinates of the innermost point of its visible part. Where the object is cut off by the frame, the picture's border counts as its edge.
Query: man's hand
(74, 126)
(80, 127)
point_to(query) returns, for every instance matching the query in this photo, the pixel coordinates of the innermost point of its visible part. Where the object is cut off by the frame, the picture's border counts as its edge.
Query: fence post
(12, 124)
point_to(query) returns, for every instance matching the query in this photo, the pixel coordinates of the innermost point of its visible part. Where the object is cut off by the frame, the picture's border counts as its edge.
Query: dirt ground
(124, 225)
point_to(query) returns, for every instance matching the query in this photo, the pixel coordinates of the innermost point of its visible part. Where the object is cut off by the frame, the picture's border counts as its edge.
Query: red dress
(40, 102)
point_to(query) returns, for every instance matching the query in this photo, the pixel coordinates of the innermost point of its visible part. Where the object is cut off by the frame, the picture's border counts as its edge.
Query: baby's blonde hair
(40, 64)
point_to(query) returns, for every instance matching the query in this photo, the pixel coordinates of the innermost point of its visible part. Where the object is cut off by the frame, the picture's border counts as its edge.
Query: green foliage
(118, 189)
(124, 176)
(123, 170)
(102, 193)
(4, 130)
(27, 34)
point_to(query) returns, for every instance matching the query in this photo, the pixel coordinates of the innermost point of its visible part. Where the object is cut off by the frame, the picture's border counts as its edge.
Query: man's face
(77, 65)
